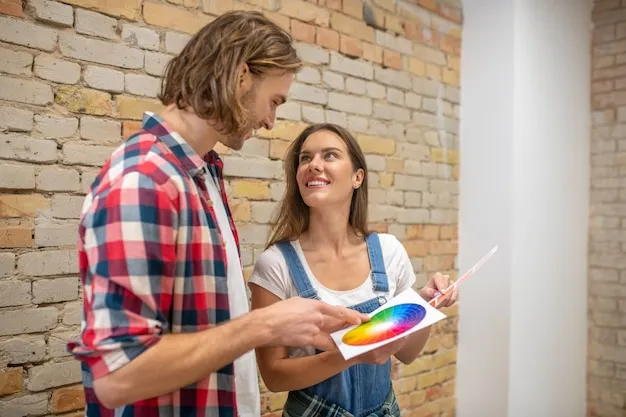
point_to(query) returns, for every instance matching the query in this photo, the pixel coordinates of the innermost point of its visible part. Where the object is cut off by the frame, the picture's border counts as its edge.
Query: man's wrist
(258, 326)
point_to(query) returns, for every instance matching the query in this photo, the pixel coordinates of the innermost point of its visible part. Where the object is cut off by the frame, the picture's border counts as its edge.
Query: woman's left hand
(437, 284)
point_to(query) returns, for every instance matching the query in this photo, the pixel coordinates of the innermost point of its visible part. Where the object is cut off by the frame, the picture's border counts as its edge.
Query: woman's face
(325, 173)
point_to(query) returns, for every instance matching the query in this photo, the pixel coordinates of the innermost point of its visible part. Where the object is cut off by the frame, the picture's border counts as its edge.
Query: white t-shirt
(246, 379)
(272, 273)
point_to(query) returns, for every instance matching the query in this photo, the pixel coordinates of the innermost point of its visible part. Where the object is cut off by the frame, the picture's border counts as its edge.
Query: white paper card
(401, 316)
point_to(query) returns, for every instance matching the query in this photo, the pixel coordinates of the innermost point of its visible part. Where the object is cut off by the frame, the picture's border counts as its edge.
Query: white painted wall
(524, 143)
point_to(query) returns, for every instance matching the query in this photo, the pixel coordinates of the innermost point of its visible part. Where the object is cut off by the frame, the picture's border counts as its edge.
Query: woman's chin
(315, 201)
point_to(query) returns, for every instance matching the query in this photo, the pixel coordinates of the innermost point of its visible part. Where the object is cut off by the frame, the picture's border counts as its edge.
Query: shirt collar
(191, 161)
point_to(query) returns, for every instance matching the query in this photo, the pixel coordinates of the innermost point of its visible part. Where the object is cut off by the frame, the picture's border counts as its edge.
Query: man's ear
(244, 78)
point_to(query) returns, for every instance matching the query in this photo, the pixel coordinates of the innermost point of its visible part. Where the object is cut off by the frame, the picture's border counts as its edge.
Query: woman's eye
(331, 155)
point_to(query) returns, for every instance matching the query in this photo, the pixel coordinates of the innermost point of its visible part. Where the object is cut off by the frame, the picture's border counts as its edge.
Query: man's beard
(236, 140)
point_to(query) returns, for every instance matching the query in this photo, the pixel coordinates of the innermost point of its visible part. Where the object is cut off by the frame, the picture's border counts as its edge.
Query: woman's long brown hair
(291, 218)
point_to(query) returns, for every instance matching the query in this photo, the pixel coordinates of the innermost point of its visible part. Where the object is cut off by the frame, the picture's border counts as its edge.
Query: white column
(524, 145)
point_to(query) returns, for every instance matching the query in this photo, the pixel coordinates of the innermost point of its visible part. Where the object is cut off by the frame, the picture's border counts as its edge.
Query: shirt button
(382, 300)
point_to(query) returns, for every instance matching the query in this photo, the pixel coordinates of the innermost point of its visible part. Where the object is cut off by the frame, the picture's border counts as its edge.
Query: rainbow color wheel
(386, 324)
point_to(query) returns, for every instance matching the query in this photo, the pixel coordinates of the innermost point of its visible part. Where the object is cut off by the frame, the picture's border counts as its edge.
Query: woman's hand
(380, 355)
(436, 285)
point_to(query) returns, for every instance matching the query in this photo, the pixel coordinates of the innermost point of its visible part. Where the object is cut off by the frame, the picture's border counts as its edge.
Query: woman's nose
(315, 164)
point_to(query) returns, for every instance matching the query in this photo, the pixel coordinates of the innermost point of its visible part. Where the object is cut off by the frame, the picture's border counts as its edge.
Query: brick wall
(75, 77)
(607, 245)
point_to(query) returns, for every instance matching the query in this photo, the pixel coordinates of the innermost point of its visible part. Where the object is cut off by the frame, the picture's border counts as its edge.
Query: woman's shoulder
(270, 258)
(271, 272)
(388, 240)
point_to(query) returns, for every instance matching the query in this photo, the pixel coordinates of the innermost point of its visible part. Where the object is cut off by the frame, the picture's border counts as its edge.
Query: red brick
(450, 76)
(191, 4)
(392, 59)
(448, 232)
(443, 247)
(416, 248)
(451, 13)
(328, 38)
(67, 399)
(438, 263)
(11, 381)
(351, 26)
(16, 234)
(22, 205)
(433, 393)
(433, 72)
(454, 62)
(302, 31)
(11, 7)
(411, 31)
(124, 8)
(429, 4)
(422, 231)
(278, 148)
(394, 24)
(331, 4)
(373, 53)
(242, 211)
(130, 127)
(175, 18)
(450, 45)
(353, 8)
(306, 12)
(351, 46)
(279, 19)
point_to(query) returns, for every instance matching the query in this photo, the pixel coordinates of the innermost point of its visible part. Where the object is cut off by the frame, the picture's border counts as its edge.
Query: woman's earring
(355, 186)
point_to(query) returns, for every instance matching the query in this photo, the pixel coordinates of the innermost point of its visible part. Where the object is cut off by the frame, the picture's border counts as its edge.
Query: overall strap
(379, 276)
(298, 274)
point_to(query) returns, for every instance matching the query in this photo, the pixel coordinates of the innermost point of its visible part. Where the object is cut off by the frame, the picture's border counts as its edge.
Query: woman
(321, 248)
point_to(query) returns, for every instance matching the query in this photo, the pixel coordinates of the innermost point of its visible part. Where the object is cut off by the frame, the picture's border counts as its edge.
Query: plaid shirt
(152, 261)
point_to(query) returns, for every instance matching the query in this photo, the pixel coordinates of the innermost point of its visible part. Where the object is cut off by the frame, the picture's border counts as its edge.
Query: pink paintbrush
(440, 296)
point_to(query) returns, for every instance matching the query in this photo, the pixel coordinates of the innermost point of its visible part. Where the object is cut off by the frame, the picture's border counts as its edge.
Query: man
(166, 326)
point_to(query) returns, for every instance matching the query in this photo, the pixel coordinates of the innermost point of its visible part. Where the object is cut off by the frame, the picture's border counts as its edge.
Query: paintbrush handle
(440, 296)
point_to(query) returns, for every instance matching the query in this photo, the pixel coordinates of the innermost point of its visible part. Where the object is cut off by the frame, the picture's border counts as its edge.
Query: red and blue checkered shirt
(152, 261)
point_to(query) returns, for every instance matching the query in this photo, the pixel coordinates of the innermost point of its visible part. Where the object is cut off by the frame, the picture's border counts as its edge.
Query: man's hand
(435, 286)
(300, 322)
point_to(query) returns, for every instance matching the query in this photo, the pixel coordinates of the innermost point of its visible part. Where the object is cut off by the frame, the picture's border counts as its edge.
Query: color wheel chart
(386, 324)
(402, 315)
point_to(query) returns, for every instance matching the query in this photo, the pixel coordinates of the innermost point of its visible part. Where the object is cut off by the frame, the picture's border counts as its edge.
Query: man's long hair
(203, 77)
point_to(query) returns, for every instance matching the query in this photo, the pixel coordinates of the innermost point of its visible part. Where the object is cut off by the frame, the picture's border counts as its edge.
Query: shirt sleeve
(406, 275)
(127, 261)
(271, 272)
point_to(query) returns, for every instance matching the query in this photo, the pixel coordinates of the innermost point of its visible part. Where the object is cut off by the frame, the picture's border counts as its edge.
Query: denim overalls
(363, 390)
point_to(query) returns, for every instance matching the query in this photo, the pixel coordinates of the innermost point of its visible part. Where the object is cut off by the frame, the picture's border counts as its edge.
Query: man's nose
(268, 123)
